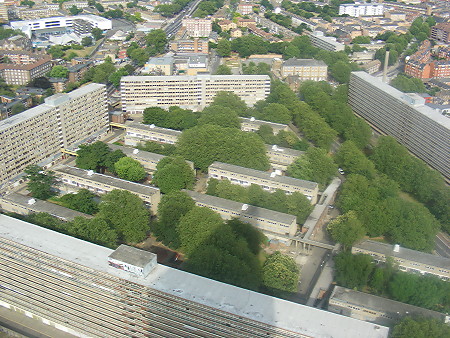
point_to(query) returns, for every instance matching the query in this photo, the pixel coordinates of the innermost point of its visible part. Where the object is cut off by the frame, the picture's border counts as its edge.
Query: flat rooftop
(154, 128)
(397, 94)
(133, 256)
(43, 206)
(288, 151)
(107, 180)
(404, 253)
(299, 318)
(264, 175)
(180, 78)
(238, 208)
(131, 152)
(304, 62)
(261, 122)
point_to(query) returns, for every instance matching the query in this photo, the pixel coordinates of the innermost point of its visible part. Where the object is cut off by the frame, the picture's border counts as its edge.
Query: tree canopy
(173, 174)
(221, 116)
(280, 274)
(420, 328)
(346, 229)
(82, 201)
(59, 72)
(39, 182)
(130, 169)
(175, 118)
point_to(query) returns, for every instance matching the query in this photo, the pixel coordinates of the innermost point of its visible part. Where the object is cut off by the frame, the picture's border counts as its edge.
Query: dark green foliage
(18, 108)
(249, 44)
(96, 230)
(93, 156)
(346, 229)
(82, 201)
(223, 70)
(420, 328)
(175, 118)
(111, 160)
(173, 174)
(205, 144)
(130, 169)
(97, 33)
(362, 40)
(252, 235)
(294, 204)
(353, 271)
(39, 182)
(6, 89)
(256, 69)
(275, 112)
(353, 160)
(408, 84)
(230, 100)
(171, 208)
(59, 72)
(100, 73)
(224, 47)
(156, 42)
(221, 116)
(158, 148)
(315, 165)
(280, 274)
(126, 214)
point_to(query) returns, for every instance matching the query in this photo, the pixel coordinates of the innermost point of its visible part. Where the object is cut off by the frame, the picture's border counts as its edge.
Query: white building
(197, 28)
(361, 9)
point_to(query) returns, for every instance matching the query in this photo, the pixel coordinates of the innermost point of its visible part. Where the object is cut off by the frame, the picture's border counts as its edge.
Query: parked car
(341, 171)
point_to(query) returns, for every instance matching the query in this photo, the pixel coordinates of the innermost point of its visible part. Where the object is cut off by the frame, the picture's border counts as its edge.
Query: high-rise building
(361, 9)
(197, 28)
(191, 92)
(38, 134)
(422, 130)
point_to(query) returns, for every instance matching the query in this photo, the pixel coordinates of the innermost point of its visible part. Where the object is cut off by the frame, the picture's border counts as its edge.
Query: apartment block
(253, 125)
(72, 178)
(21, 57)
(375, 309)
(271, 223)
(148, 160)
(419, 128)
(77, 71)
(281, 158)
(441, 32)
(21, 74)
(361, 9)
(245, 8)
(190, 92)
(138, 132)
(37, 135)
(197, 28)
(408, 260)
(195, 45)
(268, 181)
(17, 42)
(24, 205)
(319, 40)
(305, 69)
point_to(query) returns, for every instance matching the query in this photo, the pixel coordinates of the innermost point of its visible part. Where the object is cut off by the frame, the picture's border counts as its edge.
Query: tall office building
(422, 130)
(38, 134)
(190, 92)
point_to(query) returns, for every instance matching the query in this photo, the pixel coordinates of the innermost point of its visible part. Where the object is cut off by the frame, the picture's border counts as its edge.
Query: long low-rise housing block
(253, 125)
(272, 223)
(408, 260)
(268, 181)
(280, 158)
(37, 135)
(25, 205)
(375, 309)
(138, 132)
(148, 160)
(88, 290)
(191, 92)
(72, 177)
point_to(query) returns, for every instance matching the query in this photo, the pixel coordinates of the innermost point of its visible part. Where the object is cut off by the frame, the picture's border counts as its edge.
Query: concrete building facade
(138, 132)
(190, 92)
(195, 45)
(268, 181)
(419, 128)
(319, 40)
(305, 69)
(253, 125)
(280, 158)
(38, 134)
(197, 28)
(21, 74)
(361, 9)
(408, 260)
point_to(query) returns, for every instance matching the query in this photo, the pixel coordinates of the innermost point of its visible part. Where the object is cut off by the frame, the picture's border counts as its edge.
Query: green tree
(18, 108)
(59, 72)
(82, 201)
(156, 41)
(315, 165)
(346, 229)
(39, 182)
(126, 214)
(196, 226)
(221, 116)
(224, 47)
(353, 160)
(275, 112)
(130, 169)
(208, 143)
(111, 160)
(230, 100)
(362, 40)
(74, 10)
(97, 33)
(96, 230)
(92, 156)
(420, 328)
(86, 41)
(223, 70)
(353, 271)
(340, 71)
(172, 174)
(56, 51)
(172, 207)
(280, 274)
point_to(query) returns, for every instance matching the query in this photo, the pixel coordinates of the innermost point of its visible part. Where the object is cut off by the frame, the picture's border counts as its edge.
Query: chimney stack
(386, 62)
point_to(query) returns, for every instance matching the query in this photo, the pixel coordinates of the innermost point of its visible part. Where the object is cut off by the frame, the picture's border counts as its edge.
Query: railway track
(101, 305)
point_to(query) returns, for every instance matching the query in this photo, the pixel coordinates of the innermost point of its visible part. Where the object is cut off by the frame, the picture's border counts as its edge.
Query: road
(442, 247)
(175, 23)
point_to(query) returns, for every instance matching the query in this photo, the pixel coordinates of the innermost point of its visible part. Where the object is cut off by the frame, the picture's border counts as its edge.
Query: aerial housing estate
(419, 128)
(37, 135)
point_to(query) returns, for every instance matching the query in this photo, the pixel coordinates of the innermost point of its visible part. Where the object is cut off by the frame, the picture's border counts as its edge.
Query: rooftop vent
(152, 126)
(252, 119)
(90, 172)
(135, 151)
(273, 174)
(274, 147)
(31, 201)
(396, 248)
(244, 207)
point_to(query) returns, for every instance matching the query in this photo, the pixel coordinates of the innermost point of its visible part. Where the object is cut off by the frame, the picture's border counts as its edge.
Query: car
(341, 171)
